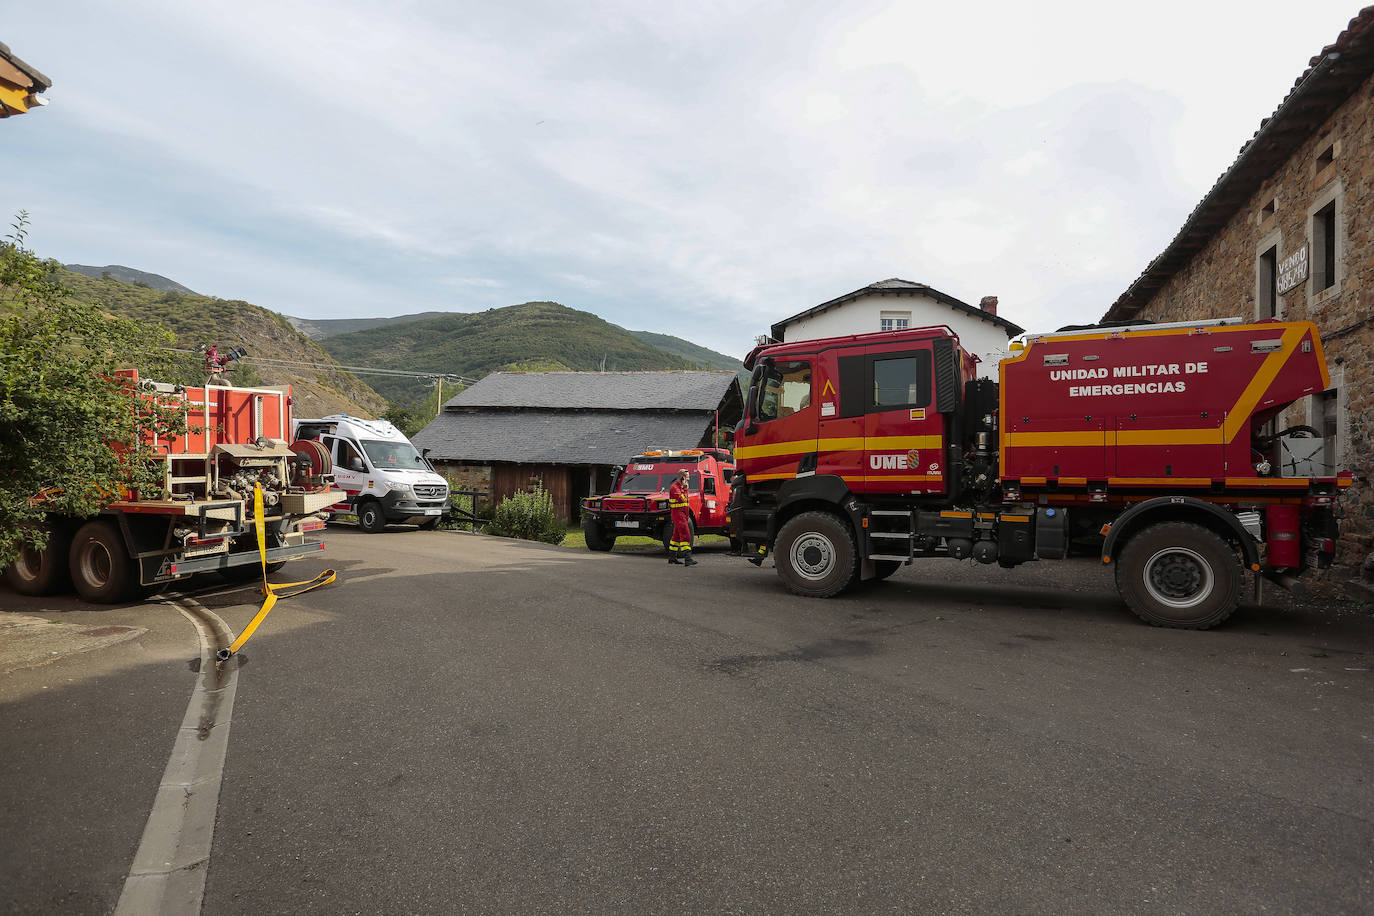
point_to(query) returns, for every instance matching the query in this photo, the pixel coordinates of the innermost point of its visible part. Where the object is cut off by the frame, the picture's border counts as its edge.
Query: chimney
(989, 304)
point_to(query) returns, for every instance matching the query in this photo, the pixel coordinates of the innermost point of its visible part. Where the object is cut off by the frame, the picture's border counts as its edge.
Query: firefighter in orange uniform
(680, 544)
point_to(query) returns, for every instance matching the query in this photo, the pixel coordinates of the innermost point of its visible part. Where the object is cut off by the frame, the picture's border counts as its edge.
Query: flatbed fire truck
(201, 518)
(638, 501)
(1153, 443)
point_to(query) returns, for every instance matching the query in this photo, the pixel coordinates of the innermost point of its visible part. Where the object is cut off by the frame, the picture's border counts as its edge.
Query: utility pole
(439, 402)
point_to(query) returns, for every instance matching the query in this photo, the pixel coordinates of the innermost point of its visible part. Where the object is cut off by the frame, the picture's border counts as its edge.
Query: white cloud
(711, 167)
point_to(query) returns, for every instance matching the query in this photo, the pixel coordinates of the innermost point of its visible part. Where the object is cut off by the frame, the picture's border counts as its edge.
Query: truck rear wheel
(42, 572)
(815, 555)
(370, 516)
(101, 568)
(1177, 574)
(596, 536)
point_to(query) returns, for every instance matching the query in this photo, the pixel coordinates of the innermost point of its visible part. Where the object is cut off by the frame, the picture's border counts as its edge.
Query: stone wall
(467, 476)
(1224, 279)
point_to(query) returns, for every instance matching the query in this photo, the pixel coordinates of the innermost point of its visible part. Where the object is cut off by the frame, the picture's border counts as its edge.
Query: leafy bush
(528, 514)
(69, 429)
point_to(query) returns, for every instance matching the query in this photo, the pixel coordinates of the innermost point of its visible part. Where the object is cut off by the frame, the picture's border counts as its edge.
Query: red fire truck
(638, 501)
(1155, 443)
(202, 517)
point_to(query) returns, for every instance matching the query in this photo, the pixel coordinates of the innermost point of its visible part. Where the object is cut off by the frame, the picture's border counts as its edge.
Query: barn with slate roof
(570, 430)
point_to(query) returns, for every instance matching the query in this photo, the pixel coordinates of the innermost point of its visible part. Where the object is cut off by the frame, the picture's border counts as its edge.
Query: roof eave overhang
(1316, 96)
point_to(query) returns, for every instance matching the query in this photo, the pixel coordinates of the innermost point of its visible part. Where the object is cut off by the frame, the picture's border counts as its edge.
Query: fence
(465, 509)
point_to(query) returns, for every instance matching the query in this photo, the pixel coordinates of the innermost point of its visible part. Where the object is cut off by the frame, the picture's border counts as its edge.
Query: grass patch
(635, 543)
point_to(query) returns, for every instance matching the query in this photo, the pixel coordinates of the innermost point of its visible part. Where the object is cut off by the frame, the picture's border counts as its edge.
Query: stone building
(1288, 232)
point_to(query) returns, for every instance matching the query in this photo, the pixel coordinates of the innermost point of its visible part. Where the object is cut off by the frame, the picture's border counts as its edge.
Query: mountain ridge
(130, 275)
(527, 337)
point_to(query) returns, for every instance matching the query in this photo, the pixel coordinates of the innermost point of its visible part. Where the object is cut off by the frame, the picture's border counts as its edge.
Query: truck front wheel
(597, 538)
(666, 535)
(102, 570)
(42, 572)
(1177, 574)
(370, 516)
(815, 555)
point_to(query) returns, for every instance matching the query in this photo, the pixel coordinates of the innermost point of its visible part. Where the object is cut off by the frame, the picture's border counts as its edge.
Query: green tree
(71, 431)
(407, 421)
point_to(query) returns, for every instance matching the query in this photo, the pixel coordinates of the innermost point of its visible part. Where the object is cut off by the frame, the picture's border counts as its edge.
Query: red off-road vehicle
(638, 502)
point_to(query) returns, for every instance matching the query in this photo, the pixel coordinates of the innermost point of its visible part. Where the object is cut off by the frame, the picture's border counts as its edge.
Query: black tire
(101, 568)
(275, 565)
(370, 516)
(430, 524)
(884, 568)
(596, 536)
(1177, 574)
(815, 555)
(42, 572)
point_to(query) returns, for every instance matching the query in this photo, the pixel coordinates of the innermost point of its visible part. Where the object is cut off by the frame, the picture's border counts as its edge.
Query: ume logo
(887, 462)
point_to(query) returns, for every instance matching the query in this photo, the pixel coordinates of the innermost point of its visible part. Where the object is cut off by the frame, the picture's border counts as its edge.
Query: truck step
(905, 514)
(884, 556)
(904, 535)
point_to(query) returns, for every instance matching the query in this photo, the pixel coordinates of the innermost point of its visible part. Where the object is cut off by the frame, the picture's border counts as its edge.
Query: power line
(400, 373)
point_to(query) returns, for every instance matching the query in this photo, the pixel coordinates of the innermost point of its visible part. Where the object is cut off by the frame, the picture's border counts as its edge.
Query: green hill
(201, 320)
(129, 275)
(320, 328)
(698, 356)
(535, 336)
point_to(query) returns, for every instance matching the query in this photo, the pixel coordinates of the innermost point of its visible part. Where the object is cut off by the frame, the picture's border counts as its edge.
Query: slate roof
(1324, 86)
(556, 437)
(898, 287)
(699, 390)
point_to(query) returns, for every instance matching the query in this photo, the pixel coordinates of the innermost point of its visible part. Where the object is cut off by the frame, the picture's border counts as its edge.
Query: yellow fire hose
(270, 592)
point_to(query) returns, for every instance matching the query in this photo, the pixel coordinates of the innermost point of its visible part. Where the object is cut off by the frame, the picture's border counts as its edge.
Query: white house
(891, 305)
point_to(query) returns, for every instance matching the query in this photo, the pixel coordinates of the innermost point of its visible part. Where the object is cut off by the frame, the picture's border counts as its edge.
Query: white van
(385, 478)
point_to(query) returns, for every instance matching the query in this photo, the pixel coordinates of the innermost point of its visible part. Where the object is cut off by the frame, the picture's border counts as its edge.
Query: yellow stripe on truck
(853, 444)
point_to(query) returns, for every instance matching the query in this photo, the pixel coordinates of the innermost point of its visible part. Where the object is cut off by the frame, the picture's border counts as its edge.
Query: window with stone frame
(1324, 248)
(1267, 299)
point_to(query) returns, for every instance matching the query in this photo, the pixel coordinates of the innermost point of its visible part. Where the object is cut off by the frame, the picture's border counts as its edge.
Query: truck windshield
(390, 456)
(653, 483)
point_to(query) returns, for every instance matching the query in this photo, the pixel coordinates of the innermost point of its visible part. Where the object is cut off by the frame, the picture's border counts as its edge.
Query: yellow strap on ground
(270, 592)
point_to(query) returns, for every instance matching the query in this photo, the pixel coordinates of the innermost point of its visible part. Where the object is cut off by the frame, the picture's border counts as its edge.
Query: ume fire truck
(201, 518)
(1153, 443)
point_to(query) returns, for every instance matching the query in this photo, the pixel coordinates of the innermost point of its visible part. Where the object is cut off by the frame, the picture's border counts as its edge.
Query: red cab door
(783, 440)
(903, 432)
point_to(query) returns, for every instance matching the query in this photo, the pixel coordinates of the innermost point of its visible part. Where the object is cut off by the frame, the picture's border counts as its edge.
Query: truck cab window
(901, 382)
(708, 485)
(786, 389)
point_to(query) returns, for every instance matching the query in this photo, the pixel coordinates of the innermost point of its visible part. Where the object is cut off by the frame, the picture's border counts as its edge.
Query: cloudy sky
(701, 169)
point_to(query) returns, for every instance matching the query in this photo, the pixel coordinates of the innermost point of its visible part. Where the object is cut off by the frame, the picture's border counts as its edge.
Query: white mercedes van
(387, 480)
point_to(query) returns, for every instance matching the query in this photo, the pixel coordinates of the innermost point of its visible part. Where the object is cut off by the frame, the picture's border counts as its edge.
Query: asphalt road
(466, 724)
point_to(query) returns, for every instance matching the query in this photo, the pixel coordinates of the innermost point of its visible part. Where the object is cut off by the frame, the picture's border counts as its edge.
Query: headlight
(401, 488)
